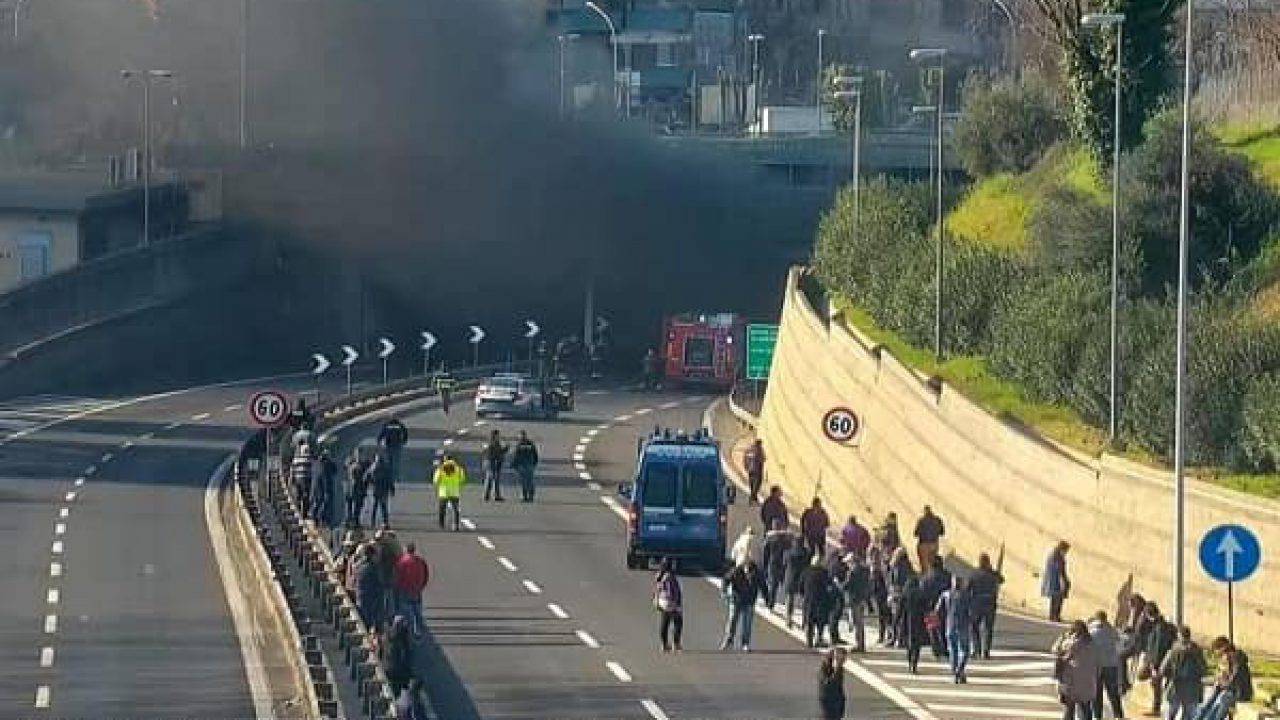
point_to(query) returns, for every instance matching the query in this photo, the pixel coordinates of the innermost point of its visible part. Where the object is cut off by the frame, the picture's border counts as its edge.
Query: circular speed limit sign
(840, 424)
(269, 408)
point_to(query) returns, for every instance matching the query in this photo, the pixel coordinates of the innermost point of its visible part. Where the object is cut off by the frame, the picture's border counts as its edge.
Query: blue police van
(677, 505)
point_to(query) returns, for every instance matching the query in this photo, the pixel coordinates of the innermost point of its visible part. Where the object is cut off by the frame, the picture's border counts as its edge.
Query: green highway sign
(761, 340)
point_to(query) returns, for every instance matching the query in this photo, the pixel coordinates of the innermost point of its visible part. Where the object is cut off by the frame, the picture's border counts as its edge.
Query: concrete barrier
(999, 488)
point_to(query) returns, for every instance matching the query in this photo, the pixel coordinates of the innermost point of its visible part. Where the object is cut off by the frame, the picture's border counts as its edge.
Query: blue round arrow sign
(1230, 553)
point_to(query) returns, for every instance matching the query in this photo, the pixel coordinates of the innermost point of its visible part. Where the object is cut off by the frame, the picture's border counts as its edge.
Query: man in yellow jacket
(449, 479)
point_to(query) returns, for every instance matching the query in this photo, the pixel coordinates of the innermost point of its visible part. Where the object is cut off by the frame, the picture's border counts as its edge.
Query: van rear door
(658, 498)
(700, 501)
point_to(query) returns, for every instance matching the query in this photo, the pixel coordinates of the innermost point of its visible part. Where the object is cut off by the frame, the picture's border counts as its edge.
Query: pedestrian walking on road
(300, 472)
(382, 482)
(773, 560)
(816, 586)
(389, 552)
(813, 526)
(410, 704)
(370, 600)
(773, 509)
(410, 578)
(1075, 668)
(669, 602)
(892, 536)
(1054, 584)
(1233, 683)
(878, 567)
(900, 573)
(929, 530)
(357, 476)
(397, 655)
(494, 454)
(855, 585)
(835, 596)
(449, 479)
(955, 608)
(912, 633)
(831, 698)
(744, 548)
(323, 473)
(1183, 672)
(984, 586)
(936, 581)
(524, 460)
(1161, 636)
(394, 436)
(1133, 641)
(854, 538)
(742, 585)
(754, 462)
(797, 562)
(1106, 645)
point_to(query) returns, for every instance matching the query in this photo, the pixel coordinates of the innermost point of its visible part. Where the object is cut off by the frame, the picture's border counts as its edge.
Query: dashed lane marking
(173, 426)
(200, 416)
(485, 542)
(447, 442)
(973, 679)
(147, 436)
(593, 432)
(53, 596)
(586, 639)
(466, 523)
(582, 475)
(557, 611)
(957, 693)
(55, 569)
(593, 485)
(670, 405)
(79, 482)
(1037, 666)
(984, 711)
(613, 505)
(106, 457)
(59, 528)
(579, 457)
(504, 562)
(231, 408)
(481, 423)
(64, 512)
(42, 696)
(643, 411)
(70, 496)
(605, 426)
(618, 671)
(531, 586)
(654, 710)
(622, 418)
(91, 470)
(126, 444)
(56, 548)
(46, 657)
(50, 624)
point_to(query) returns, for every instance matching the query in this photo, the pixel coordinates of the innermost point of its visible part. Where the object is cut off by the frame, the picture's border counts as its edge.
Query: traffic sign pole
(1231, 613)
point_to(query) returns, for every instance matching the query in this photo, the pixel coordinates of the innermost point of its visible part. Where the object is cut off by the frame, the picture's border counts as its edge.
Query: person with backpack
(668, 601)
(524, 460)
(1160, 636)
(1183, 672)
(1233, 683)
(494, 454)
(742, 586)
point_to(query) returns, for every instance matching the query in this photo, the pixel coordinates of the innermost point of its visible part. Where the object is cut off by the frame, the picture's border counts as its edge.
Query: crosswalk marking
(978, 694)
(988, 711)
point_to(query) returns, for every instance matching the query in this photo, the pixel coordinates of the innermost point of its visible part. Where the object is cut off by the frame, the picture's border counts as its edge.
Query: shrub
(1259, 438)
(977, 281)
(1006, 125)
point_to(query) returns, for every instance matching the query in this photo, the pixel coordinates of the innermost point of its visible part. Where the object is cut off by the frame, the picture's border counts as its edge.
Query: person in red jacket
(411, 576)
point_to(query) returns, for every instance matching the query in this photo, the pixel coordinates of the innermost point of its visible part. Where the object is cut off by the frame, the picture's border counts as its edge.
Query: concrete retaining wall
(999, 488)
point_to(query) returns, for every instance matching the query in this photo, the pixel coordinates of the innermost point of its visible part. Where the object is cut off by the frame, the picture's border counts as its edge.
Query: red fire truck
(704, 349)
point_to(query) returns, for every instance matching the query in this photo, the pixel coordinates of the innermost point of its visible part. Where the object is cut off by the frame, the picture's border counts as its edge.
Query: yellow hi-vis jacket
(449, 484)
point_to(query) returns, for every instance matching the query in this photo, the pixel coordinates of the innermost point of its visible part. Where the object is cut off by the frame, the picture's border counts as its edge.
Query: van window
(699, 487)
(659, 485)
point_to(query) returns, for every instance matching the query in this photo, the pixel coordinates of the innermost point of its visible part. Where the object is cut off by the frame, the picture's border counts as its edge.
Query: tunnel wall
(999, 488)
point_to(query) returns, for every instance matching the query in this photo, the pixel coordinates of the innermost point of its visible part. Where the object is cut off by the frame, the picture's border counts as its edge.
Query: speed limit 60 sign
(269, 408)
(840, 424)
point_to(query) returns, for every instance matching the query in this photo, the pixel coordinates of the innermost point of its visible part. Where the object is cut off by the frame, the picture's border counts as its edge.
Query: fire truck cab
(704, 349)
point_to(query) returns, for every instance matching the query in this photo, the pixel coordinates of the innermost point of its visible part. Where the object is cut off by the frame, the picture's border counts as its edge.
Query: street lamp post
(146, 77)
(855, 94)
(940, 54)
(817, 86)
(613, 42)
(564, 39)
(1012, 59)
(1180, 403)
(755, 39)
(1115, 20)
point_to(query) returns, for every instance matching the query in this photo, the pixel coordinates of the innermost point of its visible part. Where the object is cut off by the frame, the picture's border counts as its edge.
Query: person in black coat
(915, 634)
(397, 655)
(831, 699)
(816, 585)
(773, 560)
(797, 561)
(935, 581)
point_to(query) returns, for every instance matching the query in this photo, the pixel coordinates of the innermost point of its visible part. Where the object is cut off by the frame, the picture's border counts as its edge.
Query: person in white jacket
(744, 547)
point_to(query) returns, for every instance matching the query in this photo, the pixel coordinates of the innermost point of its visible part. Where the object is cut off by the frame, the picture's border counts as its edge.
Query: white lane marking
(53, 596)
(557, 611)
(42, 696)
(126, 444)
(613, 505)
(70, 496)
(670, 405)
(46, 657)
(580, 467)
(64, 512)
(618, 671)
(586, 639)
(146, 436)
(466, 523)
(481, 423)
(504, 562)
(59, 528)
(994, 711)
(579, 457)
(173, 426)
(973, 679)
(1037, 666)
(106, 457)
(79, 482)
(654, 710)
(1021, 654)
(644, 411)
(447, 442)
(979, 695)
(463, 431)
(50, 624)
(200, 416)
(55, 569)
(593, 485)
(579, 449)
(485, 542)
(592, 433)
(531, 586)
(622, 418)
(231, 408)
(582, 475)
(56, 548)
(91, 470)
(584, 441)
(241, 618)
(604, 426)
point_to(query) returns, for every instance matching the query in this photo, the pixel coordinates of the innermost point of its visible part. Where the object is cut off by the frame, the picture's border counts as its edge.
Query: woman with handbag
(667, 600)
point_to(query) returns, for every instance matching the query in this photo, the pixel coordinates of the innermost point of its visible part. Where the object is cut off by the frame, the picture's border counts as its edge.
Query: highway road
(533, 614)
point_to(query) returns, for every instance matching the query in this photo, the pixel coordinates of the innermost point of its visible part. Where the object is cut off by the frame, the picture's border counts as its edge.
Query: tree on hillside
(1006, 125)
(1087, 60)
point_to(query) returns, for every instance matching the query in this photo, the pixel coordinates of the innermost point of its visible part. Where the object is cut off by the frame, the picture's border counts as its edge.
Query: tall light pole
(613, 41)
(755, 39)
(244, 74)
(939, 54)
(855, 94)
(1180, 403)
(817, 86)
(146, 77)
(564, 39)
(1013, 34)
(1115, 20)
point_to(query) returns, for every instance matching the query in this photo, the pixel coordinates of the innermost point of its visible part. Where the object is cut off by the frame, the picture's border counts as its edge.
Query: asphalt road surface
(533, 614)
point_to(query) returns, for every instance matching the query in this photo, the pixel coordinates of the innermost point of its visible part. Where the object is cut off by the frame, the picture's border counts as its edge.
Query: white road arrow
(428, 340)
(388, 347)
(477, 334)
(351, 356)
(322, 364)
(1229, 547)
(533, 329)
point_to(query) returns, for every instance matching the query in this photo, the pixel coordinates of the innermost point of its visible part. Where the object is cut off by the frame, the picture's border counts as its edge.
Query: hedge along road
(115, 606)
(531, 611)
